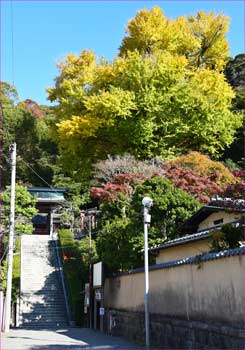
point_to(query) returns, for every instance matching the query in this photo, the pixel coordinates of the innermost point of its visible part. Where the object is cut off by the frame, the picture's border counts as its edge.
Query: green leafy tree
(164, 94)
(24, 209)
(88, 254)
(76, 256)
(234, 72)
(172, 206)
(76, 195)
(32, 133)
(228, 237)
(120, 236)
(163, 107)
(115, 246)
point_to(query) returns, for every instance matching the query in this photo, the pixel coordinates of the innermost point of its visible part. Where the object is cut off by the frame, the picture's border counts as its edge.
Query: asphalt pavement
(62, 339)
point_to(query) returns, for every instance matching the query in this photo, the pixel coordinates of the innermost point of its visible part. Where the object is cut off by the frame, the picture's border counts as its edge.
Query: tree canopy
(201, 38)
(27, 125)
(162, 96)
(120, 235)
(24, 209)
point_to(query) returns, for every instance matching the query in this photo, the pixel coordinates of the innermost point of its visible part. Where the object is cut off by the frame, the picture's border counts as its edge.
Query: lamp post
(147, 204)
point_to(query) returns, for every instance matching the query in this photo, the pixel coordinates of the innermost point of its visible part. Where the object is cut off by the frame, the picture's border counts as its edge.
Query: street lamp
(147, 204)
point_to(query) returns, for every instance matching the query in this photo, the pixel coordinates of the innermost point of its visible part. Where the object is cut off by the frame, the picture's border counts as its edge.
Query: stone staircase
(42, 301)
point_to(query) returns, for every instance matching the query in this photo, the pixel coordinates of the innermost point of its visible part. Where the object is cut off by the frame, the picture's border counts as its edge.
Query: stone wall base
(170, 333)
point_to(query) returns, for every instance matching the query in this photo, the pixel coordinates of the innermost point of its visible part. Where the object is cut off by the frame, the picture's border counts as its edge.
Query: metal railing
(63, 282)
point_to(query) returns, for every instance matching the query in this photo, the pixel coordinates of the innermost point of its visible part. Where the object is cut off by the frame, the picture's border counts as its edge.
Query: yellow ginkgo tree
(164, 94)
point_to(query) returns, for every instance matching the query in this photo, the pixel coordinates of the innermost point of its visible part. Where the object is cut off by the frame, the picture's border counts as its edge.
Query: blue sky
(45, 31)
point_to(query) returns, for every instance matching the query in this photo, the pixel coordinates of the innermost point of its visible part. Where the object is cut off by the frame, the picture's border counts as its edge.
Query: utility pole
(7, 308)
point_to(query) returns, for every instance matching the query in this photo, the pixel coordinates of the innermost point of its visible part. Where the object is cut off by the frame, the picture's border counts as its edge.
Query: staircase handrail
(63, 282)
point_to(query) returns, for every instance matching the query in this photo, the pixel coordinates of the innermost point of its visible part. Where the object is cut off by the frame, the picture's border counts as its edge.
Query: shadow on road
(67, 339)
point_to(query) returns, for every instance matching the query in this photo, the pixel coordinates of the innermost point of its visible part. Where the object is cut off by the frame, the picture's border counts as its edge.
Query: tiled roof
(181, 240)
(190, 238)
(45, 194)
(227, 202)
(46, 189)
(191, 260)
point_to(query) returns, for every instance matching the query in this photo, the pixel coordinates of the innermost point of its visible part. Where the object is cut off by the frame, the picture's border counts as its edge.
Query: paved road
(61, 339)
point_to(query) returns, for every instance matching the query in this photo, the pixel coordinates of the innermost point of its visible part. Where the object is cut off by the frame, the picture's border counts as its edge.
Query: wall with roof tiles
(209, 290)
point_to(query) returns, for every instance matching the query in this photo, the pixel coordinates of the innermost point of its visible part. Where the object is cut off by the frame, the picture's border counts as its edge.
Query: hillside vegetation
(164, 118)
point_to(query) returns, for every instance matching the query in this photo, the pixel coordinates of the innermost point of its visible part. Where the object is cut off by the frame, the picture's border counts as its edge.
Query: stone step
(42, 291)
(52, 285)
(38, 285)
(49, 317)
(46, 318)
(45, 308)
(47, 325)
(42, 301)
(43, 319)
(44, 313)
(39, 295)
(46, 302)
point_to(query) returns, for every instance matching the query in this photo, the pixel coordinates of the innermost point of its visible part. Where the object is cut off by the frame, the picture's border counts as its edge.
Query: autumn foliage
(123, 184)
(194, 173)
(33, 107)
(236, 190)
(203, 166)
(202, 188)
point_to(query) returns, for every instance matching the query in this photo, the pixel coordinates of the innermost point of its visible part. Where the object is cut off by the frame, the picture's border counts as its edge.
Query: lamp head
(147, 202)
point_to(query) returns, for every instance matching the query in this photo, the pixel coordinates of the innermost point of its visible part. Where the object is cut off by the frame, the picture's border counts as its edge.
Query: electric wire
(4, 253)
(12, 39)
(30, 167)
(41, 178)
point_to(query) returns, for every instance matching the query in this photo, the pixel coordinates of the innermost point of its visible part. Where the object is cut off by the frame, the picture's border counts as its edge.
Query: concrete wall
(227, 217)
(183, 251)
(210, 293)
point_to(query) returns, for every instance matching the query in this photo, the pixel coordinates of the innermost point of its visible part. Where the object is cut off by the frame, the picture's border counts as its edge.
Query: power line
(6, 158)
(41, 178)
(30, 167)
(6, 249)
(12, 38)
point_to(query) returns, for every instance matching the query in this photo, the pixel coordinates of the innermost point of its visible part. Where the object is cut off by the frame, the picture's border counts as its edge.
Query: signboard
(97, 295)
(102, 311)
(97, 275)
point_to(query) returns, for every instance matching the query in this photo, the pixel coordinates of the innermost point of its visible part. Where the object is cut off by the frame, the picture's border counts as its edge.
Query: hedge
(74, 273)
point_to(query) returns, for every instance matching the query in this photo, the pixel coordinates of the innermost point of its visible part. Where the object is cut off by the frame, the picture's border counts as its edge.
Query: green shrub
(228, 237)
(16, 272)
(74, 273)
